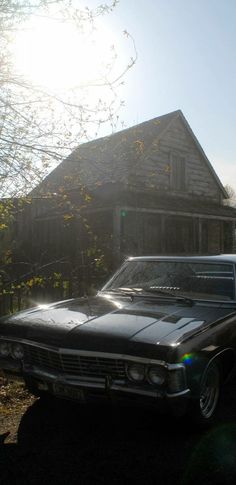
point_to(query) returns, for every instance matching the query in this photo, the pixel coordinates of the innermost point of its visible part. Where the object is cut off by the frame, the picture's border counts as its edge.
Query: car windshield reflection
(176, 278)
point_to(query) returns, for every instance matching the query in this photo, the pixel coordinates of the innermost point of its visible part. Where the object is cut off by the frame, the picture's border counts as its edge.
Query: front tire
(203, 410)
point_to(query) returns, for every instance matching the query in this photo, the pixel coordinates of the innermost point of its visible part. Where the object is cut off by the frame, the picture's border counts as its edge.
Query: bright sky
(186, 60)
(56, 55)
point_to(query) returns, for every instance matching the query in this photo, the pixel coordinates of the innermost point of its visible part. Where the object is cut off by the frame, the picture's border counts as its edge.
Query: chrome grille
(74, 364)
(43, 358)
(93, 366)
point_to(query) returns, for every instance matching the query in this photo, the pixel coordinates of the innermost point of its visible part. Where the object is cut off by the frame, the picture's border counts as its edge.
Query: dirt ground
(59, 442)
(14, 401)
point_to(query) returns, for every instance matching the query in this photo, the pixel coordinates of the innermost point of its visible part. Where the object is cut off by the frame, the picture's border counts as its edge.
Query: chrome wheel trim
(210, 390)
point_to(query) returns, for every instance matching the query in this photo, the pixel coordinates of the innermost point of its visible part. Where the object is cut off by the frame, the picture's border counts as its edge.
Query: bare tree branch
(39, 127)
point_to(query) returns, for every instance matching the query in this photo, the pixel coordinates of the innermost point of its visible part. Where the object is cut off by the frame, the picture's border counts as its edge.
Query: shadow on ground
(64, 443)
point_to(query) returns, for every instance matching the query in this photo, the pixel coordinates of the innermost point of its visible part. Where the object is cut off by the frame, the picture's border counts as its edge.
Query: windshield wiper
(159, 291)
(126, 291)
(143, 292)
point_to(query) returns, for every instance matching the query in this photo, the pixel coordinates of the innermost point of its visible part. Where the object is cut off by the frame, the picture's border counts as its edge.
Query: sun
(56, 55)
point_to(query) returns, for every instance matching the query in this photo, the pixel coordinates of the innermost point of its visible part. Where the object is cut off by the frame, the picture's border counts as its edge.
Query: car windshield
(191, 279)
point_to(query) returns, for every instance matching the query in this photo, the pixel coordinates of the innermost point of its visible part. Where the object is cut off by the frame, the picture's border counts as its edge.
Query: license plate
(68, 392)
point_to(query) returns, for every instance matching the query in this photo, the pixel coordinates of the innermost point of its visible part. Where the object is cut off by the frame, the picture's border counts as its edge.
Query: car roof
(218, 258)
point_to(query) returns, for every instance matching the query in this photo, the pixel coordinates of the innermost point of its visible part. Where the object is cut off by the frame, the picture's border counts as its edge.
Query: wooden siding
(155, 169)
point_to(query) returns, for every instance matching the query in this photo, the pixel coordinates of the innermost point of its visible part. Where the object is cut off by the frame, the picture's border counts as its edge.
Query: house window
(178, 172)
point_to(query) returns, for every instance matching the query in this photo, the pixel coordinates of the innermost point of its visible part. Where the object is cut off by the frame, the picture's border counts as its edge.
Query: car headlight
(5, 349)
(136, 372)
(17, 351)
(157, 375)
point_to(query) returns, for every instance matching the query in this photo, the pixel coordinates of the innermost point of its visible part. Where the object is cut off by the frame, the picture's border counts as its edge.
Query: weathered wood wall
(155, 170)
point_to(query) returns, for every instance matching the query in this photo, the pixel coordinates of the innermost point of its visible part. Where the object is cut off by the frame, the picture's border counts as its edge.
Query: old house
(149, 189)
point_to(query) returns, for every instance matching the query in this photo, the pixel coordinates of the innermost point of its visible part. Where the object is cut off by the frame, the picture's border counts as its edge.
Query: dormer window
(177, 172)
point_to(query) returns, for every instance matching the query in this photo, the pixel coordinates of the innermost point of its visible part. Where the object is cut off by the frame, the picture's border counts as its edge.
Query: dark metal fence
(19, 293)
(24, 285)
(13, 299)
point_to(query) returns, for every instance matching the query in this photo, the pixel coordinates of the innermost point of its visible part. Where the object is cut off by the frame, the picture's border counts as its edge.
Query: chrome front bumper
(50, 366)
(47, 380)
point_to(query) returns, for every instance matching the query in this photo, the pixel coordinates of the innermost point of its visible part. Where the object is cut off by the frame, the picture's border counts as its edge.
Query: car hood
(110, 323)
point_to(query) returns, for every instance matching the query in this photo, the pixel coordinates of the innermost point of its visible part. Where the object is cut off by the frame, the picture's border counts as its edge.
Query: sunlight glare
(55, 55)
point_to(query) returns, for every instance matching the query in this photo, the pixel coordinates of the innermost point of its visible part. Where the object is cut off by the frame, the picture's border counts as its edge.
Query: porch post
(116, 236)
(200, 235)
(163, 234)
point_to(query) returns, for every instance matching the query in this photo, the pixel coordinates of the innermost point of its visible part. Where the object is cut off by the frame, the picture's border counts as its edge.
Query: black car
(162, 331)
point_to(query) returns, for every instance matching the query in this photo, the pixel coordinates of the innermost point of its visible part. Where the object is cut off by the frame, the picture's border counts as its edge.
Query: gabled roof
(108, 158)
(200, 149)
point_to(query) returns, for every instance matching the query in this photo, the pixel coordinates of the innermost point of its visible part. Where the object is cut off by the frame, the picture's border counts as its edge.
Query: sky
(186, 60)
